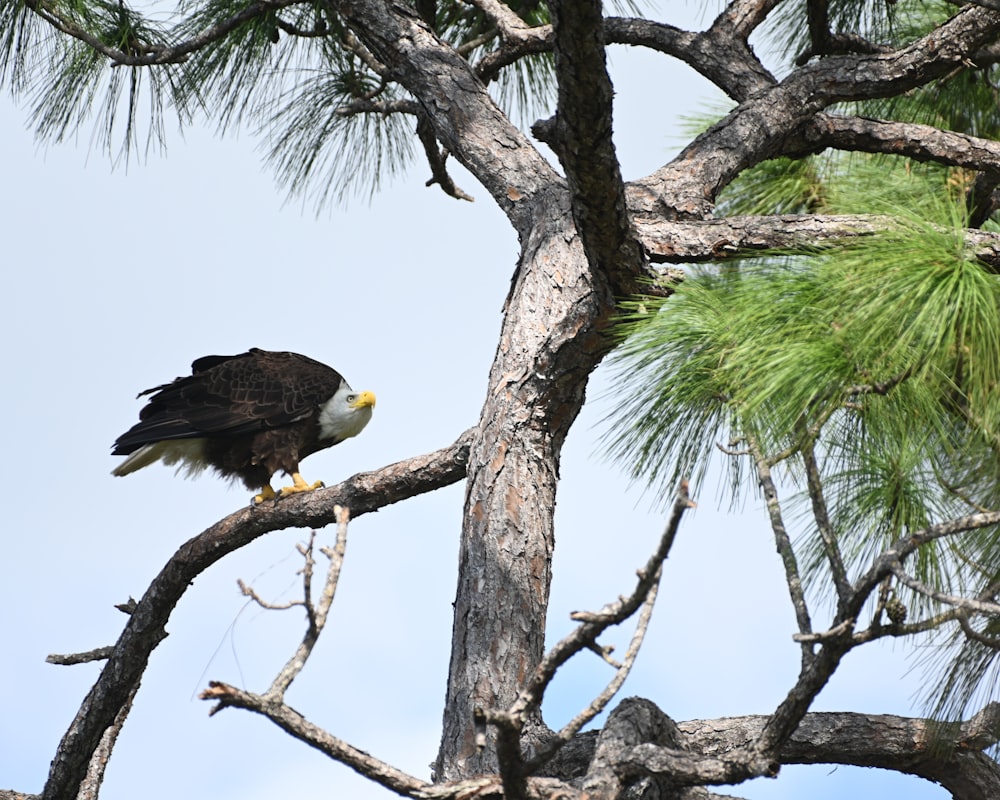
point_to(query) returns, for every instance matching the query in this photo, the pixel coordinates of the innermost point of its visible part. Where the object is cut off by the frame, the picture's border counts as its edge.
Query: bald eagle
(247, 416)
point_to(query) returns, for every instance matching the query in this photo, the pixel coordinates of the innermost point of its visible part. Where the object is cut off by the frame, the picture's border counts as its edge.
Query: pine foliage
(882, 357)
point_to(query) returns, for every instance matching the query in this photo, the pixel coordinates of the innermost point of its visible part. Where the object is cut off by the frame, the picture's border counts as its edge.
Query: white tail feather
(188, 454)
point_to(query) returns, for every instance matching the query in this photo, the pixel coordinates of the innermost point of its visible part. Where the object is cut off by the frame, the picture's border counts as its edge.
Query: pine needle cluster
(881, 358)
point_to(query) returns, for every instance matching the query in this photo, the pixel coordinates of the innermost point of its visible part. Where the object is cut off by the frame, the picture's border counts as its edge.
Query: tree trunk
(550, 343)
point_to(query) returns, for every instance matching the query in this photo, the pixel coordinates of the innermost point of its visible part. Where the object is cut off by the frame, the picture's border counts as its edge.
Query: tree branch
(678, 242)
(966, 603)
(583, 142)
(720, 54)
(466, 120)
(783, 543)
(757, 129)
(919, 142)
(823, 524)
(363, 492)
(316, 612)
(436, 160)
(593, 625)
(153, 54)
(947, 755)
(293, 723)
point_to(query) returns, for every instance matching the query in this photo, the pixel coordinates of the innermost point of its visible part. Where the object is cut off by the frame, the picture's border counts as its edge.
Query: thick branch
(720, 54)
(363, 493)
(585, 148)
(716, 239)
(466, 120)
(947, 755)
(757, 129)
(919, 142)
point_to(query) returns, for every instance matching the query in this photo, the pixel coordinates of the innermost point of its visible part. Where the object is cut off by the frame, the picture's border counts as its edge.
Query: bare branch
(352, 43)
(677, 241)
(784, 544)
(600, 702)
(299, 727)
(69, 659)
(510, 723)
(363, 492)
(317, 612)
(947, 755)
(826, 531)
(966, 603)
(248, 591)
(436, 159)
(913, 140)
(592, 625)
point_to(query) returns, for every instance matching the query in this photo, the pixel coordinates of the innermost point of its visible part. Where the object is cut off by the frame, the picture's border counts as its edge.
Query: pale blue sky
(114, 281)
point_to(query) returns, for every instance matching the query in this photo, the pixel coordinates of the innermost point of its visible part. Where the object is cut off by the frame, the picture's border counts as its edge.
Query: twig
(271, 704)
(436, 159)
(248, 591)
(967, 603)
(352, 43)
(976, 636)
(784, 545)
(836, 632)
(599, 703)
(592, 624)
(604, 653)
(821, 515)
(317, 613)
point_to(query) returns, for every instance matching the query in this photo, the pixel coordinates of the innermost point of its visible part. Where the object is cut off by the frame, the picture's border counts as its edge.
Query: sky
(115, 279)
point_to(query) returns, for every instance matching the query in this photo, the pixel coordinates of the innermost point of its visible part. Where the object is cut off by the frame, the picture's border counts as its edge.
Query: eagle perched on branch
(248, 417)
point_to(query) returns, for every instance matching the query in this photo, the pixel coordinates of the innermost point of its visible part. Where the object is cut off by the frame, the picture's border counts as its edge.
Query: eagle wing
(232, 395)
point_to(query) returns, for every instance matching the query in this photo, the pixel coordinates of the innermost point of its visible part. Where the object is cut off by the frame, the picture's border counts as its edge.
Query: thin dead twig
(583, 637)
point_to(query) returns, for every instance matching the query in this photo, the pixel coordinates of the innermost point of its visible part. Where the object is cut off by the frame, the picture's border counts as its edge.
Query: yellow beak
(364, 399)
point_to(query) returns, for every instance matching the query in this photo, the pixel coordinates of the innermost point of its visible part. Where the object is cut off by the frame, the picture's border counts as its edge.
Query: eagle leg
(267, 493)
(299, 485)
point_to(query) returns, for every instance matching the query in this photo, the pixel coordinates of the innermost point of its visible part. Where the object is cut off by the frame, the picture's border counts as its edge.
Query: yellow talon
(267, 493)
(299, 485)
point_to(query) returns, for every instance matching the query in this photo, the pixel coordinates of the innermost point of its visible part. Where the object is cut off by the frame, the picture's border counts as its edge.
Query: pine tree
(806, 294)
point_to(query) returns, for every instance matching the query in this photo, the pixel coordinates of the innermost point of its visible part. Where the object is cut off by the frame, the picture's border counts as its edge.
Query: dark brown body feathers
(256, 413)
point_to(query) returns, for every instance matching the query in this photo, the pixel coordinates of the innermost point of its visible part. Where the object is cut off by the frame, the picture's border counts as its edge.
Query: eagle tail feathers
(187, 454)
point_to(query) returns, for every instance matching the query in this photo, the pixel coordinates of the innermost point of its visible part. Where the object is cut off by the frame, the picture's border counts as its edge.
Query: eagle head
(345, 414)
